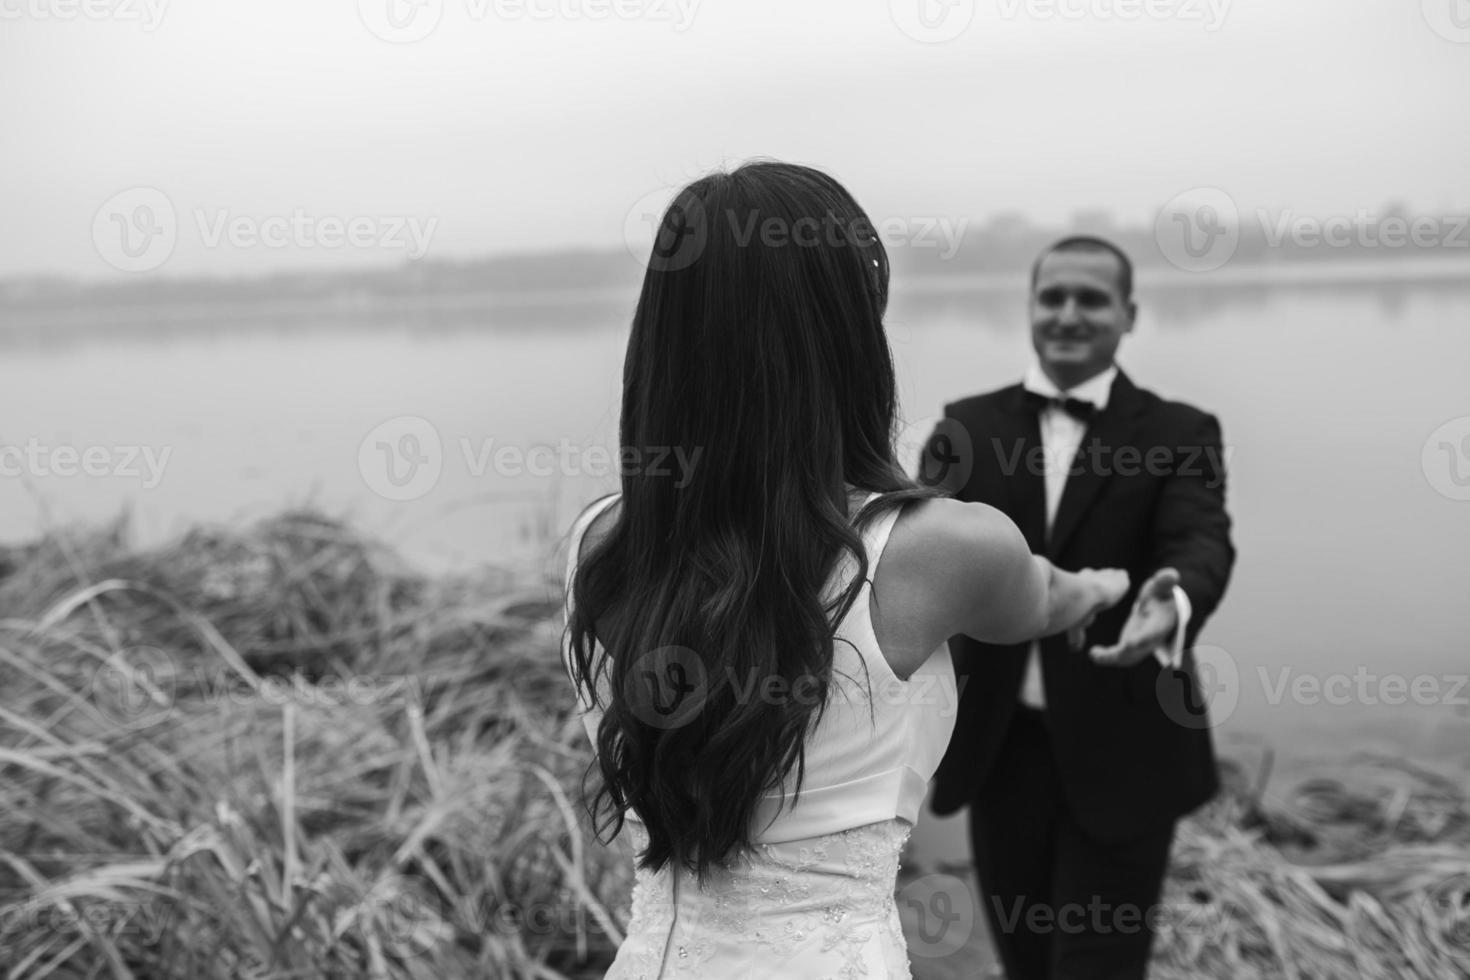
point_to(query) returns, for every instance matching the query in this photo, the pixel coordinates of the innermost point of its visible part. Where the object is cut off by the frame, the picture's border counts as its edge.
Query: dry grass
(175, 807)
(1361, 872)
(277, 753)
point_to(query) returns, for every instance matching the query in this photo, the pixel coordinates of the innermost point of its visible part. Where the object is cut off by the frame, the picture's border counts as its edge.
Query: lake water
(1353, 548)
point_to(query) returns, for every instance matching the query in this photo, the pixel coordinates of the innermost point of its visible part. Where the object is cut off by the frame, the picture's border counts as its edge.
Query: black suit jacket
(1146, 490)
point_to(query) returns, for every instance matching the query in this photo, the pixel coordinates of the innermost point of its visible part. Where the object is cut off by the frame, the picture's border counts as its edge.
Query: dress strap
(877, 534)
(875, 539)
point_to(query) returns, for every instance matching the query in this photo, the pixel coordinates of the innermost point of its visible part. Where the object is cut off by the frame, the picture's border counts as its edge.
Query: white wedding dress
(816, 901)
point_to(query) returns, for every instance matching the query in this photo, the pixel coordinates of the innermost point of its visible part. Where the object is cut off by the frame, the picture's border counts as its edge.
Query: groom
(1077, 763)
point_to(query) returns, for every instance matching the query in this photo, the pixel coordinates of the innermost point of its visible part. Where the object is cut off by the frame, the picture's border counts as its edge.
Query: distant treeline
(1003, 245)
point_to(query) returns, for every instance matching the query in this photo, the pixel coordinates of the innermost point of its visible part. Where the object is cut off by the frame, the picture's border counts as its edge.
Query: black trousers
(1061, 905)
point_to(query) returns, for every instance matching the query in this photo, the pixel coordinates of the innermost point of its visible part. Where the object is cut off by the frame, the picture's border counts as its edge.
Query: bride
(759, 648)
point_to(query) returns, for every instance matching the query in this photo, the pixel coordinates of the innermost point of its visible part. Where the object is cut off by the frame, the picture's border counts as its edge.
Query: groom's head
(1081, 306)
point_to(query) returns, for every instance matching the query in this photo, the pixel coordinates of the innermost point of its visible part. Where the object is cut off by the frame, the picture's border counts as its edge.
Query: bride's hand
(1108, 587)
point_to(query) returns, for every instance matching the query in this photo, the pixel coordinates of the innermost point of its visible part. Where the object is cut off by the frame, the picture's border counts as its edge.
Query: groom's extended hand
(1150, 626)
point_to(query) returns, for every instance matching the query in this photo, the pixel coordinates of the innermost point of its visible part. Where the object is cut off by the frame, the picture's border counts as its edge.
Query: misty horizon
(493, 127)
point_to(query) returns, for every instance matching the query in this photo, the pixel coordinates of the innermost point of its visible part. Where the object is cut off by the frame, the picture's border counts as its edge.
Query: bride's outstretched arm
(1000, 592)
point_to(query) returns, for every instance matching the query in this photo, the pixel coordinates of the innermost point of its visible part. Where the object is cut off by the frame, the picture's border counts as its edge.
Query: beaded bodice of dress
(832, 895)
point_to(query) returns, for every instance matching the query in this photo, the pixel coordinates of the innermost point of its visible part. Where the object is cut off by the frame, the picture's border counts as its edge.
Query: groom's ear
(1132, 307)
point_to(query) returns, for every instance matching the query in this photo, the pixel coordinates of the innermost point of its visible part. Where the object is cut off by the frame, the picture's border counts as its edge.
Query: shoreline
(466, 309)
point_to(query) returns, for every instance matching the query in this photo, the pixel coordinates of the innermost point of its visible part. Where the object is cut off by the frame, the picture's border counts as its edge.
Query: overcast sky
(522, 124)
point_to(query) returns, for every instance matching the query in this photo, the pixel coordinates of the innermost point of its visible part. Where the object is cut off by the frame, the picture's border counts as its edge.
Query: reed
(279, 752)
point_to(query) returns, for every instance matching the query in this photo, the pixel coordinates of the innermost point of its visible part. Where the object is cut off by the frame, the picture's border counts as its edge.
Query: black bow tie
(1078, 408)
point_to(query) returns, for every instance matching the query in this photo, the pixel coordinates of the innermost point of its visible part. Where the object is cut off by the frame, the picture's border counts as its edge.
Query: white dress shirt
(1061, 436)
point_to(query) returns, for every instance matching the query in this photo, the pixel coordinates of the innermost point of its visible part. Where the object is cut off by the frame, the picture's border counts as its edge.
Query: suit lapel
(1095, 461)
(1019, 455)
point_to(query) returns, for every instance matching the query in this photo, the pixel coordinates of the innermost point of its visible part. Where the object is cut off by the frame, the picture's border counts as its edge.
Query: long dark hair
(757, 350)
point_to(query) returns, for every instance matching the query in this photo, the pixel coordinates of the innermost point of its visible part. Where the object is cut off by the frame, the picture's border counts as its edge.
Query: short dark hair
(1090, 243)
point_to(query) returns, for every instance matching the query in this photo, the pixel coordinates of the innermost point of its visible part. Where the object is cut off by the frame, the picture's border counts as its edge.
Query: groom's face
(1078, 313)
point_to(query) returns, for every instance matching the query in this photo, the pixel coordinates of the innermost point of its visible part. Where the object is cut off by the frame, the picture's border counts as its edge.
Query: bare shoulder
(943, 557)
(931, 534)
(912, 614)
